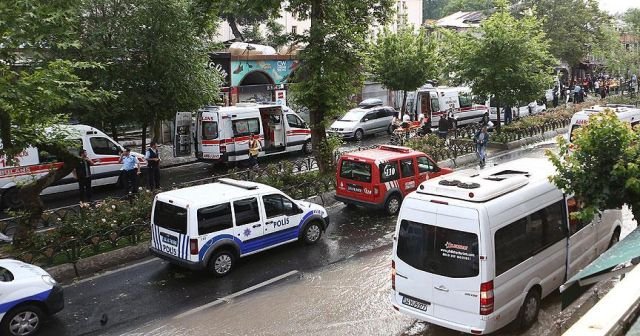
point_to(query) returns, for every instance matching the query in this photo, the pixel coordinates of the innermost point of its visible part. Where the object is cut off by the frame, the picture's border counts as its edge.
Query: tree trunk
(5, 129)
(157, 130)
(114, 131)
(497, 125)
(233, 24)
(403, 109)
(635, 210)
(143, 145)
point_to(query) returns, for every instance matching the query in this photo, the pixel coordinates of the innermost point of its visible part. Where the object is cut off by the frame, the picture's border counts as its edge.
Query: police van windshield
(170, 217)
(438, 250)
(572, 134)
(356, 171)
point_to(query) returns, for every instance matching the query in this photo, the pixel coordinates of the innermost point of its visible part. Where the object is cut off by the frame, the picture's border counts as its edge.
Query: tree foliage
(403, 61)
(239, 13)
(507, 58)
(602, 167)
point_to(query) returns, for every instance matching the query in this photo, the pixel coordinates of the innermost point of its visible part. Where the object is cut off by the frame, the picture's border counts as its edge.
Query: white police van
(27, 295)
(211, 226)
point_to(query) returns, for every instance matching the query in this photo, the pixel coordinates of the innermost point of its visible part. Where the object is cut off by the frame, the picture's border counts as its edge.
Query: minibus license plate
(415, 303)
(169, 239)
(354, 188)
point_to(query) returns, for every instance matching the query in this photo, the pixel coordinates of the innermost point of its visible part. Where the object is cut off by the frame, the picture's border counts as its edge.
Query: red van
(381, 177)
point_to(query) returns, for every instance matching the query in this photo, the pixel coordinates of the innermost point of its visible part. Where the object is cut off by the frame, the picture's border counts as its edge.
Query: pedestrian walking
(603, 91)
(576, 93)
(555, 96)
(443, 126)
(254, 150)
(153, 165)
(480, 140)
(508, 115)
(596, 86)
(82, 173)
(131, 170)
(485, 119)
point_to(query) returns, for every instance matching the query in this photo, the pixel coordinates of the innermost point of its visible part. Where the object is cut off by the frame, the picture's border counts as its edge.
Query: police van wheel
(312, 233)
(222, 263)
(392, 205)
(11, 199)
(23, 320)
(528, 314)
(307, 148)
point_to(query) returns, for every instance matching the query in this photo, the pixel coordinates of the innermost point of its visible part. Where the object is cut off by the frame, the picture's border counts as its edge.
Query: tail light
(376, 190)
(486, 298)
(193, 246)
(223, 149)
(393, 274)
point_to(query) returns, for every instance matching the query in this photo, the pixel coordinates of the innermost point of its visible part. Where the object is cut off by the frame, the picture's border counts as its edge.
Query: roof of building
(461, 20)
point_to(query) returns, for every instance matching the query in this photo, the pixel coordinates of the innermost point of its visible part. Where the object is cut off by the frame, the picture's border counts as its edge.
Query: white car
(28, 294)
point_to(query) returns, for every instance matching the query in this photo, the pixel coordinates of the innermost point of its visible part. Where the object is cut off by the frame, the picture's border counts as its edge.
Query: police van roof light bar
(239, 184)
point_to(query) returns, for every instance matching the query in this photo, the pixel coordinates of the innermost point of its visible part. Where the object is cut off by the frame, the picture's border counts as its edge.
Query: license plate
(415, 303)
(354, 188)
(169, 239)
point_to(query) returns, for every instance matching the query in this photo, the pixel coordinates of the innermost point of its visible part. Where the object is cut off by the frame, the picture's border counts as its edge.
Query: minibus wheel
(392, 205)
(307, 148)
(11, 198)
(222, 262)
(528, 314)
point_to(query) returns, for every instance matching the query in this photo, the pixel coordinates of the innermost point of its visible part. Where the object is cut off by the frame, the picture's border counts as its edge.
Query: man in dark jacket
(83, 175)
(443, 126)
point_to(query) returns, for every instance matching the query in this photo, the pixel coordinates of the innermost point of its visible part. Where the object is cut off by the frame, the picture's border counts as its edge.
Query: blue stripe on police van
(185, 247)
(6, 306)
(210, 242)
(269, 240)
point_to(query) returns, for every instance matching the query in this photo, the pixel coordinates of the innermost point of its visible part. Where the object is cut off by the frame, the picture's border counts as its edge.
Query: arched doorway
(253, 87)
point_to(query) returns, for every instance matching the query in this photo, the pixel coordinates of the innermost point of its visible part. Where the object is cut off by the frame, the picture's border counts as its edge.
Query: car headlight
(49, 280)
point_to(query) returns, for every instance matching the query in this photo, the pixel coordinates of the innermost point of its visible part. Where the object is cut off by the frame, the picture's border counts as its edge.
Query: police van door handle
(269, 222)
(442, 288)
(257, 226)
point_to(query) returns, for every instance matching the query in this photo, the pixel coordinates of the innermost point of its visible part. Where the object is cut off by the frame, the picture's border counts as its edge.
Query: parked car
(380, 178)
(28, 294)
(370, 117)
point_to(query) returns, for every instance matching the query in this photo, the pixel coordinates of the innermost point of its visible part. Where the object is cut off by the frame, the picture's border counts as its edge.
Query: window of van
(435, 105)
(209, 130)
(527, 236)
(294, 121)
(276, 205)
(389, 171)
(214, 218)
(407, 168)
(104, 146)
(246, 211)
(446, 252)
(354, 170)
(425, 165)
(465, 100)
(170, 217)
(245, 127)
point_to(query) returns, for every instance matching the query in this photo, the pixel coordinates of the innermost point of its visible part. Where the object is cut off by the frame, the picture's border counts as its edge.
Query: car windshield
(5, 275)
(170, 217)
(353, 116)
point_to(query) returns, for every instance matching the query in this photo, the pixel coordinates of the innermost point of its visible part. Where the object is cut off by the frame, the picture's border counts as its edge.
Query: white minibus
(628, 113)
(475, 250)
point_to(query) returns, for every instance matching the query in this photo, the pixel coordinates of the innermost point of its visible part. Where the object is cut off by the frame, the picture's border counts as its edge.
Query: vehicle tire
(390, 129)
(307, 148)
(222, 262)
(11, 199)
(358, 135)
(615, 238)
(528, 313)
(312, 233)
(24, 320)
(349, 205)
(392, 205)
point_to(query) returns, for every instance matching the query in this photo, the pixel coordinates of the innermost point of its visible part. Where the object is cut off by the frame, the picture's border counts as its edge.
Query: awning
(623, 252)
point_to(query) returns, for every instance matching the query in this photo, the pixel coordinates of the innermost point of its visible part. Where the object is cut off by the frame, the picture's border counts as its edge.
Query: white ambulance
(221, 134)
(435, 102)
(103, 152)
(474, 251)
(628, 113)
(210, 226)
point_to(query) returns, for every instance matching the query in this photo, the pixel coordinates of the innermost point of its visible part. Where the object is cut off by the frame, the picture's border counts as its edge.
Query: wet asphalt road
(152, 292)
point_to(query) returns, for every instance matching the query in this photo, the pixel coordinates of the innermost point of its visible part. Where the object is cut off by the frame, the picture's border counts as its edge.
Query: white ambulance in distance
(210, 226)
(222, 133)
(628, 113)
(435, 102)
(476, 250)
(101, 150)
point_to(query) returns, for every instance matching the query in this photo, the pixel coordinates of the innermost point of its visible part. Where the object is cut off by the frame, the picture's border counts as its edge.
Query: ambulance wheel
(11, 198)
(392, 205)
(312, 233)
(23, 320)
(222, 262)
(528, 313)
(358, 135)
(307, 148)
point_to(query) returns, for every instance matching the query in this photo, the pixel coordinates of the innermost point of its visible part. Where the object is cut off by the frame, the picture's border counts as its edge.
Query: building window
(294, 30)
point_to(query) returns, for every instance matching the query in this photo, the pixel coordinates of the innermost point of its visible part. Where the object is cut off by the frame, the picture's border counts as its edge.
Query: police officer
(83, 175)
(153, 159)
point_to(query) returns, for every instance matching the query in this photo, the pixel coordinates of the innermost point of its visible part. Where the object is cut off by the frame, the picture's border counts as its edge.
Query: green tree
(602, 167)
(404, 60)
(454, 6)
(34, 86)
(239, 13)
(507, 58)
(433, 9)
(632, 18)
(332, 63)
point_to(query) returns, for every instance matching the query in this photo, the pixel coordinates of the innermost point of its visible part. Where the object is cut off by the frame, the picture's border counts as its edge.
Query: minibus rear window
(445, 252)
(170, 217)
(209, 130)
(356, 171)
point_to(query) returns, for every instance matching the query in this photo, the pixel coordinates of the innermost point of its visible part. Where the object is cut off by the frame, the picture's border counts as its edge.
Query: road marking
(227, 298)
(110, 272)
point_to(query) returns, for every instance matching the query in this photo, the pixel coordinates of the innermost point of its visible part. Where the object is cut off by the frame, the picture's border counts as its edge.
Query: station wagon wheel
(222, 263)
(11, 199)
(358, 135)
(390, 129)
(307, 148)
(312, 233)
(528, 314)
(392, 205)
(22, 321)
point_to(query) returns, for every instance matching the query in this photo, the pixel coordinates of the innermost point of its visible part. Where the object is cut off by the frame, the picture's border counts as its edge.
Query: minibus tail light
(393, 274)
(193, 246)
(486, 298)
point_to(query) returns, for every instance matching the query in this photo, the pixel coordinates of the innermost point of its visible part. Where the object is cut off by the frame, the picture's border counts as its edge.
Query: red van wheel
(392, 205)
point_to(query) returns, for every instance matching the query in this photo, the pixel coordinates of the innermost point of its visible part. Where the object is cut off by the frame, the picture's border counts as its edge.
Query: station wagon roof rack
(398, 149)
(240, 184)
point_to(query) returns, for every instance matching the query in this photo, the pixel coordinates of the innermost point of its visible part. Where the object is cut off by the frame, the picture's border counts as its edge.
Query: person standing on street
(153, 159)
(443, 126)
(131, 170)
(480, 140)
(555, 96)
(254, 150)
(83, 174)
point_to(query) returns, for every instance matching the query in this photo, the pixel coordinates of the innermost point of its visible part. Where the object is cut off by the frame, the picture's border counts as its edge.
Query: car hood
(22, 270)
(343, 124)
(315, 207)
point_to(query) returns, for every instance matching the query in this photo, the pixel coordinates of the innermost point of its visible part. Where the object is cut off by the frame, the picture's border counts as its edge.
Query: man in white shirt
(406, 118)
